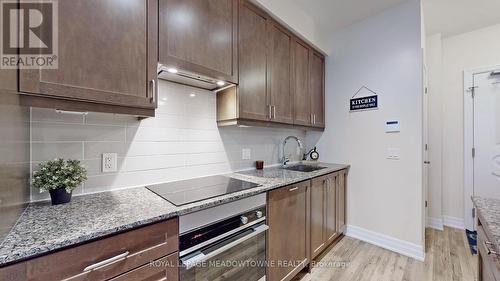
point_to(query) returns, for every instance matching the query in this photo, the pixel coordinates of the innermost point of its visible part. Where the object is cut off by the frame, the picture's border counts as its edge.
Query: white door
(487, 134)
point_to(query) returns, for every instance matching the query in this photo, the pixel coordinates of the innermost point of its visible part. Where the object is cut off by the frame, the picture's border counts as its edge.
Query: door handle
(293, 189)
(270, 112)
(274, 111)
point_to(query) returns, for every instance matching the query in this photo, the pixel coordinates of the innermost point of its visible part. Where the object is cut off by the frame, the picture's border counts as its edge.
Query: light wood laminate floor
(447, 258)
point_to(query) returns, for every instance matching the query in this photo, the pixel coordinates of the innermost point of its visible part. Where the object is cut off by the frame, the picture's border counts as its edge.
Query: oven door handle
(190, 263)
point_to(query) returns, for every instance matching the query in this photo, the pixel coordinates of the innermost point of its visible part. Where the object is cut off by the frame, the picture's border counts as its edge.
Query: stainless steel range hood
(190, 79)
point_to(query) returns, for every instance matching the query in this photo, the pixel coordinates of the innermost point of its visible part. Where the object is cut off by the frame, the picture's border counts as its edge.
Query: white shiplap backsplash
(182, 141)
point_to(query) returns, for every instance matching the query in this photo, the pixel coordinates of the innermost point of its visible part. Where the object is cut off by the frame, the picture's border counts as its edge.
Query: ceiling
(452, 17)
(333, 15)
(448, 17)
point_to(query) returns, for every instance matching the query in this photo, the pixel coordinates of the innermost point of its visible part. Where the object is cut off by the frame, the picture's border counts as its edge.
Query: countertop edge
(485, 221)
(86, 239)
(181, 210)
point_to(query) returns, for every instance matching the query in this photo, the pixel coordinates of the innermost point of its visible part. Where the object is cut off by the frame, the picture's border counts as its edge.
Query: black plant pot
(59, 196)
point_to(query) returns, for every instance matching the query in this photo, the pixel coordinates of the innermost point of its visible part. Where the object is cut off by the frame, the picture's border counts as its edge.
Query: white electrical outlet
(109, 162)
(246, 154)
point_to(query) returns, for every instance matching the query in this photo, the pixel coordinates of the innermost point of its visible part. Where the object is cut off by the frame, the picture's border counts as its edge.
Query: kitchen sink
(303, 168)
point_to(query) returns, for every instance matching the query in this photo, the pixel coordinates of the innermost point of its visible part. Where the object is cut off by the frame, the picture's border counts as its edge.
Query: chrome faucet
(286, 159)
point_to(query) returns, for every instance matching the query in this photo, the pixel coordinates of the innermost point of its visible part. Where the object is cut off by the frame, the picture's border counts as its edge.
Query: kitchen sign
(364, 103)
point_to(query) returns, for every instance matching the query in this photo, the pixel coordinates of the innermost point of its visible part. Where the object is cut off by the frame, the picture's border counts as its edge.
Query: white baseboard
(436, 223)
(454, 222)
(387, 242)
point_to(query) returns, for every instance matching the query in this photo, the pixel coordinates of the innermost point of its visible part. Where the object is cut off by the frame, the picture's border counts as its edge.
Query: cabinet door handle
(106, 262)
(270, 112)
(154, 92)
(274, 111)
(314, 118)
(293, 189)
(489, 251)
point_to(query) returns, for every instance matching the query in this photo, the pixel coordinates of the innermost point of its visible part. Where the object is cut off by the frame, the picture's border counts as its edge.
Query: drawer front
(102, 259)
(164, 269)
(491, 261)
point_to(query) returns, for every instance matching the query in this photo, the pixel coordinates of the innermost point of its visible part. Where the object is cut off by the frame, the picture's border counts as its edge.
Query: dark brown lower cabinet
(318, 214)
(164, 269)
(341, 183)
(488, 259)
(324, 212)
(126, 256)
(288, 235)
(332, 206)
(308, 216)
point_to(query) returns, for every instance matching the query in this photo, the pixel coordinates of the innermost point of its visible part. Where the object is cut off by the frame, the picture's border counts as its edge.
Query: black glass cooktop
(188, 191)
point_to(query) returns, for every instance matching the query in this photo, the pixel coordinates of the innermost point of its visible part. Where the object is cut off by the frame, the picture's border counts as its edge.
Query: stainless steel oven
(231, 248)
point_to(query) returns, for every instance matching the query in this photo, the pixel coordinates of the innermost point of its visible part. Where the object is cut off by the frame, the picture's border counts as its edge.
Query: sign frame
(363, 103)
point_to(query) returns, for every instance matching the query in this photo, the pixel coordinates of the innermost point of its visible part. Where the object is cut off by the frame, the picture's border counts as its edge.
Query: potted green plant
(59, 177)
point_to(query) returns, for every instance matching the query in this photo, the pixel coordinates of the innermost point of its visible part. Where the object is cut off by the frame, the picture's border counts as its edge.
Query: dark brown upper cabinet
(200, 36)
(308, 85)
(107, 59)
(253, 102)
(309, 89)
(280, 77)
(279, 71)
(317, 89)
(302, 95)
(250, 101)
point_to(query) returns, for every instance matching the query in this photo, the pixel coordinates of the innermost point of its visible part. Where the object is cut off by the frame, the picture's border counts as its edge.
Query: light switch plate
(109, 162)
(246, 154)
(393, 153)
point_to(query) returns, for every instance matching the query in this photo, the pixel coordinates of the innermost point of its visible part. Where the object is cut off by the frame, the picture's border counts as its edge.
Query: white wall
(465, 51)
(435, 141)
(291, 15)
(384, 53)
(183, 141)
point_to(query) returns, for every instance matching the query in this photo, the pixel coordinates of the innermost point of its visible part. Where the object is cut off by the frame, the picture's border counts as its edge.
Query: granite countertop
(489, 210)
(44, 228)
